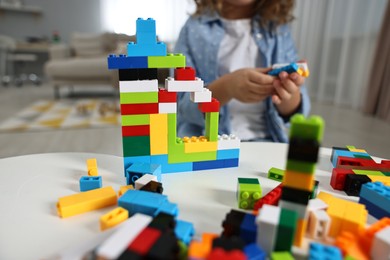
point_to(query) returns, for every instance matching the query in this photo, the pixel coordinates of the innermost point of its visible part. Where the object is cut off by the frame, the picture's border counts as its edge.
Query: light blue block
(145, 25)
(376, 193)
(138, 169)
(345, 153)
(228, 154)
(138, 201)
(90, 183)
(319, 251)
(128, 161)
(140, 50)
(184, 231)
(168, 208)
(293, 67)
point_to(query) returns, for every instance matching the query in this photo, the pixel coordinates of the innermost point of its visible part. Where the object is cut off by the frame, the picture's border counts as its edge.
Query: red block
(219, 253)
(362, 164)
(144, 241)
(136, 130)
(187, 73)
(337, 181)
(136, 109)
(271, 198)
(212, 106)
(166, 97)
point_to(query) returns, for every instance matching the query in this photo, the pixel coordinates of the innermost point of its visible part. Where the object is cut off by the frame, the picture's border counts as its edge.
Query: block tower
(149, 112)
(298, 181)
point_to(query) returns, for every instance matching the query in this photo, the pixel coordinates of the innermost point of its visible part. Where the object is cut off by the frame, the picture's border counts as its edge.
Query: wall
(65, 16)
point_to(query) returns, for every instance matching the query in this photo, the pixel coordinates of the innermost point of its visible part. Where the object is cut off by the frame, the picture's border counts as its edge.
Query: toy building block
(201, 96)
(130, 120)
(143, 180)
(198, 144)
(187, 73)
(316, 204)
(138, 86)
(113, 218)
(275, 174)
(354, 182)
(172, 85)
(248, 192)
(137, 170)
(167, 108)
(310, 128)
(123, 189)
(153, 186)
(296, 196)
(285, 255)
(92, 167)
(212, 106)
(164, 222)
(124, 62)
(166, 97)
(303, 68)
(381, 244)
(141, 142)
(253, 252)
(219, 253)
(136, 130)
(137, 74)
(298, 180)
(293, 67)
(228, 243)
(349, 245)
(267, 223)
(169, 61)
(367, 237)
(271, 198)
(138, 97)
(376, 196)
(146, 49)
(113, 247)
(184, 231)
(86, 201)
(90, 183)
(301, 149)
(201, 249)
(228, 154)
(136, 109)
(336, 153)
(319, 222)
(228, 142)
(211, 126)
(286, 230)
(319, 251)
(300, 209)
(240, 224)
(158, 134)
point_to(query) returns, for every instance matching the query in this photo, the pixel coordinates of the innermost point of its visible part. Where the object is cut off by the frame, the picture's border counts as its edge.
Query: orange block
(201, 249)
(303, 181)
(349, 246)
(369, 234)
(300, 232)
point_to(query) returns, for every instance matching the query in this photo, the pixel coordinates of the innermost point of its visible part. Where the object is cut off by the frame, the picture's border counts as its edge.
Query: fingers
(281, 90)
(297, 79)
(259, 76)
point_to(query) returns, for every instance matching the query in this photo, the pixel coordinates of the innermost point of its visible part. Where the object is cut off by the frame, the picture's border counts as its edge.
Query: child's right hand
(250, 85)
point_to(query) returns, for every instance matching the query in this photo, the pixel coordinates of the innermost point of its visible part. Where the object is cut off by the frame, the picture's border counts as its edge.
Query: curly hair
(277, 12)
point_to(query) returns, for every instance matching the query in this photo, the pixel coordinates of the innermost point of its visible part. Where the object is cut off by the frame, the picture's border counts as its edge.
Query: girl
(232, 44)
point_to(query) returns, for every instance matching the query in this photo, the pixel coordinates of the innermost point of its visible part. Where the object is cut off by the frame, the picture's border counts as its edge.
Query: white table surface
(31, 185)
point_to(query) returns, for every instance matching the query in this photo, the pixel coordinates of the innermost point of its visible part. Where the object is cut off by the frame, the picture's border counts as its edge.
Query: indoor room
(63, 103)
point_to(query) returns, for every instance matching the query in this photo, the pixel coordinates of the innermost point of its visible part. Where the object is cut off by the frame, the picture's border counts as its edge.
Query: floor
(343, 127)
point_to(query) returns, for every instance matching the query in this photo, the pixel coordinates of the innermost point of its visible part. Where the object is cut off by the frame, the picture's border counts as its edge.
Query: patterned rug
(64, 114)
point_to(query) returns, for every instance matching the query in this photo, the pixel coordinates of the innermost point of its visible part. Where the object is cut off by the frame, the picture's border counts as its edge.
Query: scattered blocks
(90, 183)
(318, 251)
(113, 218)
(137, 170)
(248, 192)
(92, 167)
(276, 174)
(376, 196)
(143, 180)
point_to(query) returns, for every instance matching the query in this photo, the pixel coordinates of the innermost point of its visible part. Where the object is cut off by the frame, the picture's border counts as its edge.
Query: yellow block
(198, 144)
(113, 218)
(123, 189)
(86, 201)
(92, 167)
(384, 179)
(303, 181)
(300, 232)
(158, 134)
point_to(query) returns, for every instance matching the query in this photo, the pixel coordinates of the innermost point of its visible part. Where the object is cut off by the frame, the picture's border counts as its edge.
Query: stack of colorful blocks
(149, 112)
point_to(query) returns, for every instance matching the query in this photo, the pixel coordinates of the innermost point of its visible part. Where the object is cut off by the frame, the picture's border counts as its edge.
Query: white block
(145, 179)
(166, 108)
(316, 204)
(381, 245)
(201, 96)
(226, 142)
(173, 85)
(138, 86)
(267, 227)
(113, 247)
(300, 209)
(319, 223)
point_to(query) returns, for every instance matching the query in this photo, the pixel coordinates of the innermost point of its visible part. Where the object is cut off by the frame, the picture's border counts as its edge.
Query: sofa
(84, 61)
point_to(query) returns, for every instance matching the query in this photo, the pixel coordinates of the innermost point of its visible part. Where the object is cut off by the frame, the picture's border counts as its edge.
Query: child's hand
(250, 85)
(286, 87)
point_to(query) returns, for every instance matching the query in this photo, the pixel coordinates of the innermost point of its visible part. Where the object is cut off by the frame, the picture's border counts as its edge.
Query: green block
(136, 146)
(176, 151)
(386, 173)
(362, 156)
(248, 192)
(276, 174)
(183, 250)
(300, 166)
(281, 256)
(310, 128)
(350, 147)
(368, 172)
(129, 120)
(286, 230)
(138, 97)
(211, 126)
(348, 257)
(169, 61)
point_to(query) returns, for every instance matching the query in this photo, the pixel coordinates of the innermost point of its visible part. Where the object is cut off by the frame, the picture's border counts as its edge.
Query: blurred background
(54, 51)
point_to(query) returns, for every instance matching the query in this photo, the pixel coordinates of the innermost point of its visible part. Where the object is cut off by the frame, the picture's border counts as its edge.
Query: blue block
(168, 208)
(207, 165)
(374, 210)
(337, 153)
(90, 183)
(254, 252)
(146, 38)
(124, 62)
(376, 193)
(293, 67)
(138, 201)
(184, 231)
(170, 167)
(137, 50)
(138, 169)
(324, 252)
(248, 229)
(231, 163)
(146, 25)
(128, 161)
(228, 154)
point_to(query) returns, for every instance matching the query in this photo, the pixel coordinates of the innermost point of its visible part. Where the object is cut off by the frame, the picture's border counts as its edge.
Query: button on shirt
(239, 50)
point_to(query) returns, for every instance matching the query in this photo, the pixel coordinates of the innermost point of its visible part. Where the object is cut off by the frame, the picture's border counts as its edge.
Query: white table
(31, 185)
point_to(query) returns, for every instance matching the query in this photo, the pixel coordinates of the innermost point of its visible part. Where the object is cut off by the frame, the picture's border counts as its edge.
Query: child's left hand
(287, 88)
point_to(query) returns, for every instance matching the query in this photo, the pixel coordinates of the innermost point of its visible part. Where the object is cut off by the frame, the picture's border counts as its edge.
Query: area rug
(64, 114)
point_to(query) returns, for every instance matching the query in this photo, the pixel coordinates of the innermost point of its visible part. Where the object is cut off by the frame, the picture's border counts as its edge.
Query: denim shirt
(199, 41)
